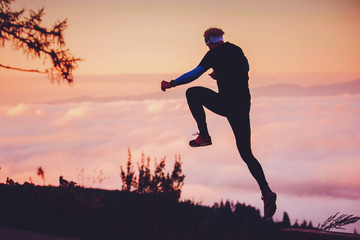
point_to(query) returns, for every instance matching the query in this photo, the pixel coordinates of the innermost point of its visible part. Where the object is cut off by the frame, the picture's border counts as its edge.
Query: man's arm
(184, 79)
(190, 76)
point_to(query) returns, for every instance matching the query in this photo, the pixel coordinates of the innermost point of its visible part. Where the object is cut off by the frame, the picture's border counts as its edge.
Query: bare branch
(23, 70)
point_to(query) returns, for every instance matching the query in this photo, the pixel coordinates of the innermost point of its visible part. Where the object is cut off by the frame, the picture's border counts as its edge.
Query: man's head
(213, 36)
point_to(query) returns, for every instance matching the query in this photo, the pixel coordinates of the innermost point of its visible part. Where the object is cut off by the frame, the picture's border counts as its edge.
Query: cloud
(17, 110)
(155, 107)
(308, 147)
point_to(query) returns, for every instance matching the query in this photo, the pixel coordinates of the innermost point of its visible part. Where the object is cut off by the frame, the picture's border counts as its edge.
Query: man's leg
(197, 98)
(240, 124)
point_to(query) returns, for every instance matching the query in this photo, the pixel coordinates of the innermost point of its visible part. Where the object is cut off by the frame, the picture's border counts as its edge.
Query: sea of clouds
(307, 146)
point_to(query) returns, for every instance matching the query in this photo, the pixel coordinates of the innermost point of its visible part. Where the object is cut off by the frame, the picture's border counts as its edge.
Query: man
(232, 101)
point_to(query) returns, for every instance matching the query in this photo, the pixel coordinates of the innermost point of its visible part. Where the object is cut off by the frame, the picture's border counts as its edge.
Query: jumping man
(231, 69)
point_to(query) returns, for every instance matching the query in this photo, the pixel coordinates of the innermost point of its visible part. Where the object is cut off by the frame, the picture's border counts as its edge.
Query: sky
(308, 146)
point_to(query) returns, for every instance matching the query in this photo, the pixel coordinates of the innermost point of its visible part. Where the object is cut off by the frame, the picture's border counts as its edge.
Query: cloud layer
(307, 146)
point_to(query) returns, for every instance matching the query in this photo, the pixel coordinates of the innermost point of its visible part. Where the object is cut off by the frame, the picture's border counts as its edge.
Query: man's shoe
(269, 204)
(200, 141)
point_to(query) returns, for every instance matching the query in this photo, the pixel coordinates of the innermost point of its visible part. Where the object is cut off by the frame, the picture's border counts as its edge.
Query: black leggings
(238, 117)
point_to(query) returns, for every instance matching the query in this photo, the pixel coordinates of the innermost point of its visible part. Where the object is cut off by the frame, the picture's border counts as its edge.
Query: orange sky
(280, 38)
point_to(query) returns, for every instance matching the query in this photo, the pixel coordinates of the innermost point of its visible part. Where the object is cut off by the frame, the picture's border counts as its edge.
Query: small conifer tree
(128, 178)
(27, 34)
(159, 182)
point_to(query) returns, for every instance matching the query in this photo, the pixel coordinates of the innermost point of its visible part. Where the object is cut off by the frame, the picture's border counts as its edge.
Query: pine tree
(41, 173)
(144, 179)
(304, 224)
(128, 178)
(159, 183)
(310, 226)
(177, 178)
(286, 220)
(296, 224)
(26, 33)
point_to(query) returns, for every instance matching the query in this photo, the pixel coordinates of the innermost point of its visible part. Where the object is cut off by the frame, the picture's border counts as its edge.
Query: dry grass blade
(338, 222)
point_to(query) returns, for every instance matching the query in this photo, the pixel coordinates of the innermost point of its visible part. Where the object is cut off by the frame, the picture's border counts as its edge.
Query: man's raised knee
(190, 92)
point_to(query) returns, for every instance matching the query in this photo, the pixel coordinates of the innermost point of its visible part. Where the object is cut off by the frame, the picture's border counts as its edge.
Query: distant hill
(275, 90)
(293, 90)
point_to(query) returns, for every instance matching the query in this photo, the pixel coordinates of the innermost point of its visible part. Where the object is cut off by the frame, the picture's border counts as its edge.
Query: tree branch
(27, 34)
(23, 70)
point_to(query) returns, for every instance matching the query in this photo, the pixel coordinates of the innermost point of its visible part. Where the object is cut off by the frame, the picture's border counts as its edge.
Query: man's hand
(165, 85)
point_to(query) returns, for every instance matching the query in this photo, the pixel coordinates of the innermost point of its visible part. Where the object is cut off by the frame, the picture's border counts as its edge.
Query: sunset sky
(308, 146)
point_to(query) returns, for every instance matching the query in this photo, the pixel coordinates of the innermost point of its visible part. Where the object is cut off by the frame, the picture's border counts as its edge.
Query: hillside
(104, 214)
(293, 90)
(274, 90)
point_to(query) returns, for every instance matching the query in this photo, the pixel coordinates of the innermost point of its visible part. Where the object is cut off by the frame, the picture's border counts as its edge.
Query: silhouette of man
(232, 101)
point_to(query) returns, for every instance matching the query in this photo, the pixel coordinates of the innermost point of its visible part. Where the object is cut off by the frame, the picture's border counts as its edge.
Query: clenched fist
(165, 85)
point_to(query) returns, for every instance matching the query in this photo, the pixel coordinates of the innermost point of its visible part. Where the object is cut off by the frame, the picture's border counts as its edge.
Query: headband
(213, 39)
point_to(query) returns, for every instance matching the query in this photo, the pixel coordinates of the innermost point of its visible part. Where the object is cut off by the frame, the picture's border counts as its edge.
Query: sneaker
(269, 204)
(200, 141)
